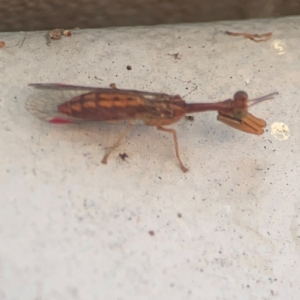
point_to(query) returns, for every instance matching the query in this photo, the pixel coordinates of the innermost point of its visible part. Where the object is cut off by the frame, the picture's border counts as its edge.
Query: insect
(63, 104)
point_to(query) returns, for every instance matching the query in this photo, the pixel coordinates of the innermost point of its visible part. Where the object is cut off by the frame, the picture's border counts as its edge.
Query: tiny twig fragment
(23, 40)
(253, 37)
(175, 55)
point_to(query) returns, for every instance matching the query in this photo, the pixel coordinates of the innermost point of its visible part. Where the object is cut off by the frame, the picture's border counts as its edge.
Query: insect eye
(240, 100)
(240, 95)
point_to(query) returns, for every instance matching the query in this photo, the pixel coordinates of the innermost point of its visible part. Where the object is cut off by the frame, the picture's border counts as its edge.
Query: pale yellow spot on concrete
(280, 46)
(280, 131)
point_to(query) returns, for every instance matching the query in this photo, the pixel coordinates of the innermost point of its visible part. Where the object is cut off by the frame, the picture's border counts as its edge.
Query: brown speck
(56, 34)
(67, 33)
(190, 118)
(113, 86)
(2, 44)
(151, 232)
(129, 68)
(123, 156)
(179, 215)
(176, 55)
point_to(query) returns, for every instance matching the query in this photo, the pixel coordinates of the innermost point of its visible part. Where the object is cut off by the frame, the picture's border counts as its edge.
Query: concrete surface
(27, 15)
(72, 228)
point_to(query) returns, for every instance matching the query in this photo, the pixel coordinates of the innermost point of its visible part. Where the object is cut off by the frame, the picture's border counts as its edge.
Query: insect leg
(172, 131)
(117, 143)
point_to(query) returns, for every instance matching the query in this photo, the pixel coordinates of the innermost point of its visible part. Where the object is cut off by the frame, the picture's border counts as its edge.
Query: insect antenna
(261, 99)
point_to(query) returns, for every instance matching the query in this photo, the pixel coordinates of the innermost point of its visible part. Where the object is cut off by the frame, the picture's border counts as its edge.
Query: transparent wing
(86, 89)
(44, 104)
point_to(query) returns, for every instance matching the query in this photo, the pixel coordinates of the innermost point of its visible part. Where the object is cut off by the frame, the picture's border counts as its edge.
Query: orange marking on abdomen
(89, 104)
(76, 106)
(110, 101)
(98, 106)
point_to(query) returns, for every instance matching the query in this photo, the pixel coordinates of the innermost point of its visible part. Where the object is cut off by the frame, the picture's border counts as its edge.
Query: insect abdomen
(118, 106)
(103, 107)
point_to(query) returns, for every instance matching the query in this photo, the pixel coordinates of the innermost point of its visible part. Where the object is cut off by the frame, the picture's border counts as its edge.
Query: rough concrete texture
(72, 228)
(42, 15)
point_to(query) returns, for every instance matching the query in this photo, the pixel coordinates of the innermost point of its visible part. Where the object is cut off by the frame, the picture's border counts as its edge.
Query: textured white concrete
(72, 228)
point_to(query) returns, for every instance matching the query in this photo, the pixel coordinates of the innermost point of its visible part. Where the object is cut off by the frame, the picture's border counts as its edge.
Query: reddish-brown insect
(63, 104)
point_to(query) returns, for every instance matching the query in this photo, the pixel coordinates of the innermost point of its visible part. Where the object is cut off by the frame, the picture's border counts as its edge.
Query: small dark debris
(190, 118)
(176, 55)
(129, 68)
(113, 86)
(67, 32)
(151, 232)
(123, 156)
(56, 34)
(179, 215)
